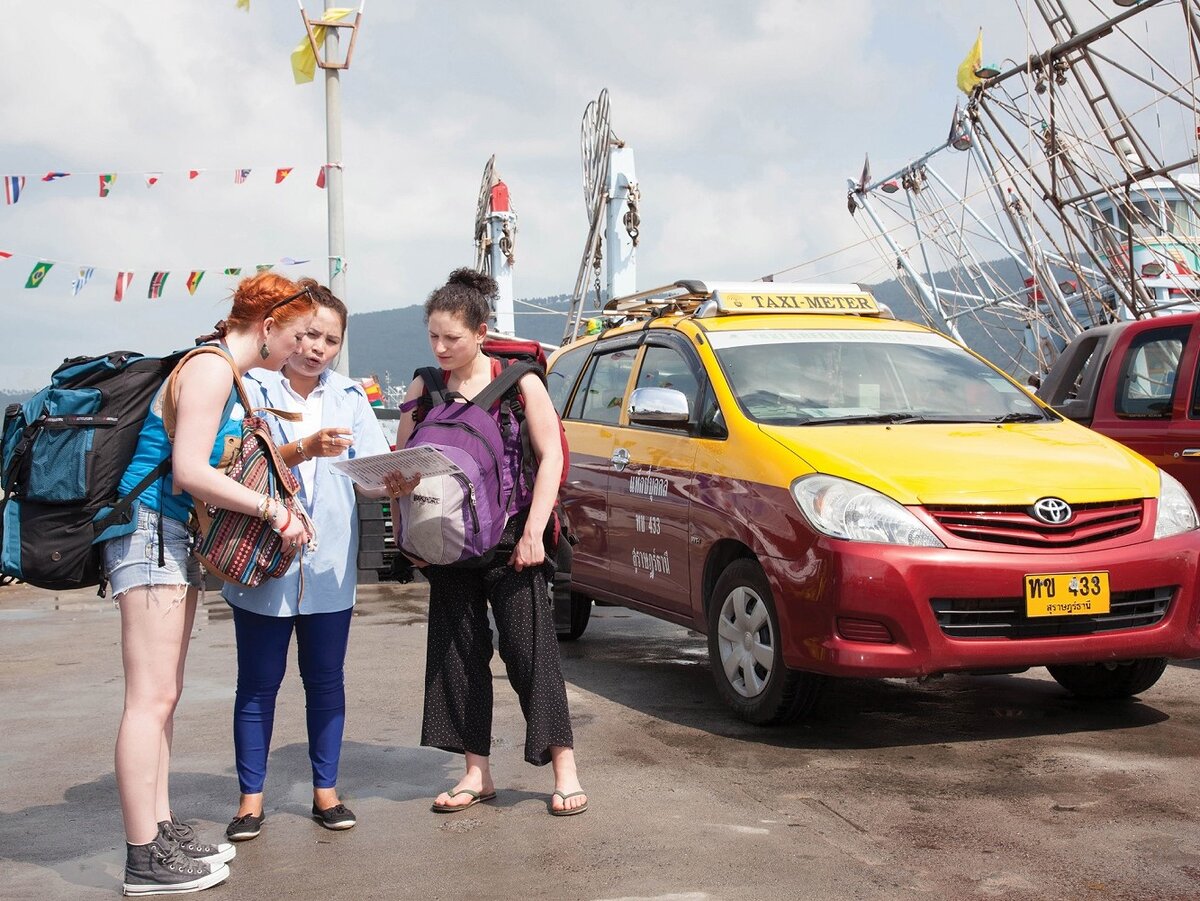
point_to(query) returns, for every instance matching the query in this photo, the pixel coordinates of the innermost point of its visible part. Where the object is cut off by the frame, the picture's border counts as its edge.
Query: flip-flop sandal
(476, 798)
(568, 811)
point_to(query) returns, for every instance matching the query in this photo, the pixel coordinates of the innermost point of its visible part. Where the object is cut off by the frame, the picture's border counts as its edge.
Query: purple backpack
(459, 518)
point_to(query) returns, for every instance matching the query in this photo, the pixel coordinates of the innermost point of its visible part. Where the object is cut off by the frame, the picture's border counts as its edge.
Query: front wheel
(1109, 680)
(745, 651)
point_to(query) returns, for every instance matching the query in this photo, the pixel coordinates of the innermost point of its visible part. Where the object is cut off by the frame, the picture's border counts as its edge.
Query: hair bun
(475, 280)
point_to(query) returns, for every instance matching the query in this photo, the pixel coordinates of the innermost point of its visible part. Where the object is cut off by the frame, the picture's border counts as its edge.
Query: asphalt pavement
(996, 787)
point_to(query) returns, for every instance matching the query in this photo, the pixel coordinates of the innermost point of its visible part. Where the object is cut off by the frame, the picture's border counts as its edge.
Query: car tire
(572, 610)
(581, 614)
(745, 651)
(1109, 680)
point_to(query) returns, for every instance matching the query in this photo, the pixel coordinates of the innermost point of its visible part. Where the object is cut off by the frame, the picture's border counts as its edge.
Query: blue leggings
(262, 652)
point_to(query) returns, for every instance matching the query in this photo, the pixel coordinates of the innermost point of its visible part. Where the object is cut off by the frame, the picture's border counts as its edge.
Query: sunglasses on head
(303, 292)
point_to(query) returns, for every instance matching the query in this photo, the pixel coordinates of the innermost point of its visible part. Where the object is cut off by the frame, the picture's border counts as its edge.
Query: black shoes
(244, 828)
(161, 868)
(339, 816)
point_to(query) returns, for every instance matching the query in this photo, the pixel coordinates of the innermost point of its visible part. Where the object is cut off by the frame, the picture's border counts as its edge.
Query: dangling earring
(264, 351)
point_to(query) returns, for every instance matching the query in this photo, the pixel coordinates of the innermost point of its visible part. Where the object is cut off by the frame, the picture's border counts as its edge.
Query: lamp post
(327, 58)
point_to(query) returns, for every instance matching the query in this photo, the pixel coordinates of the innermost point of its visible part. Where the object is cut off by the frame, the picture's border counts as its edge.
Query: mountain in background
(392, 344)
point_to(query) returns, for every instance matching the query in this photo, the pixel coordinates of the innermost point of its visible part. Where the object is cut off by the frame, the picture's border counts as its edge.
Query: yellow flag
(243, 4)
(967, 79)
(304, 64)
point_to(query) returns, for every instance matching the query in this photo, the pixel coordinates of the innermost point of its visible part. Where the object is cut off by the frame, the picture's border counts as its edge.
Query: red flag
(123, 280)
(281, 174)
(321, 178)
(5, 254)
(193, 173)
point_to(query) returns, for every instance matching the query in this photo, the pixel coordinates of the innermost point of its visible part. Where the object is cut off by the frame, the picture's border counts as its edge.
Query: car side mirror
(659, 407)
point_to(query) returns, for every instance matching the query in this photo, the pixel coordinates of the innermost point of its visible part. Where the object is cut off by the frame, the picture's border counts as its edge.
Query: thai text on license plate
(1066, 594)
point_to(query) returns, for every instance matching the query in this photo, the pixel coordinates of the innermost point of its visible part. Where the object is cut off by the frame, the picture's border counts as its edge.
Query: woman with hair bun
(158, 602)
(458, 679)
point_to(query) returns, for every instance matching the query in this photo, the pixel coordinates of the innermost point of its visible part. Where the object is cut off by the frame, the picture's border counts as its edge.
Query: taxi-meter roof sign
(766, 301)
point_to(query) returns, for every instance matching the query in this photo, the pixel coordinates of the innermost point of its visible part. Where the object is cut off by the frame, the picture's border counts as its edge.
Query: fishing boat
(1065, 193)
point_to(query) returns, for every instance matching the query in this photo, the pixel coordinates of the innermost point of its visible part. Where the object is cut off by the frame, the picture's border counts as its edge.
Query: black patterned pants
(458, 676)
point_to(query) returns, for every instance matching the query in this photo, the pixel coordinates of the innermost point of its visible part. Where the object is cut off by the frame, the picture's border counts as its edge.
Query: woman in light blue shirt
(315, 598)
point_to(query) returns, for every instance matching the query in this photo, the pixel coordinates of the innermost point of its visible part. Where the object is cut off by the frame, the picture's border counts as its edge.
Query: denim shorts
(132, 560)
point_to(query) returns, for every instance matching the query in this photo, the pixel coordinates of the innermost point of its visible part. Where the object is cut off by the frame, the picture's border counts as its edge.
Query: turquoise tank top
(153, 447)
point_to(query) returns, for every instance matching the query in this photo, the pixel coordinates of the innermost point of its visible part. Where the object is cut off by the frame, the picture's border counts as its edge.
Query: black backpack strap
(434, 386)
(119, 513)
(503, 383)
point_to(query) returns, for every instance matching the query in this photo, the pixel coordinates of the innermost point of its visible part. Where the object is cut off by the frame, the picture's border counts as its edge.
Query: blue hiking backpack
(459, 518)
(62, 456)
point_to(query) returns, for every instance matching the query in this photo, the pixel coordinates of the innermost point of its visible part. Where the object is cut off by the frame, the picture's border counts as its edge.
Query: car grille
(1005, 617)
(1090, 523)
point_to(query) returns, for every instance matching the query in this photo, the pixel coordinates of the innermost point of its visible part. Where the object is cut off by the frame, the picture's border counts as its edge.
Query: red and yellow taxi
(827, 491)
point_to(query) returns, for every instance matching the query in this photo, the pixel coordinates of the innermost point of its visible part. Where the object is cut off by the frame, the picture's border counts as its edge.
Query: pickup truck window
(1149, 371)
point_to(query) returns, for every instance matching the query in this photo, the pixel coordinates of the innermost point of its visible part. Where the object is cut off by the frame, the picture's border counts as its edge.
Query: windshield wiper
(869, 418)
(1020, 417)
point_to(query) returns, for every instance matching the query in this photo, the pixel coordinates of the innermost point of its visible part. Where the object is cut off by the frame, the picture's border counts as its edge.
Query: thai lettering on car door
(652, 480)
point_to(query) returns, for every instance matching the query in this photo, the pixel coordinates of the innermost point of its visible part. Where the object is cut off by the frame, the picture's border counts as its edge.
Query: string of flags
(14, 185)
(158, 278)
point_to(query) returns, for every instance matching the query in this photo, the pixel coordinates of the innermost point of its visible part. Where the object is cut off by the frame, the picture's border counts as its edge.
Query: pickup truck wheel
(746, 654)
(1109, 680)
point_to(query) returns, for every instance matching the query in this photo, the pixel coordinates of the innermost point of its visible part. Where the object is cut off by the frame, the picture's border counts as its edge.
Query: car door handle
(1191, 452)
(620, 459)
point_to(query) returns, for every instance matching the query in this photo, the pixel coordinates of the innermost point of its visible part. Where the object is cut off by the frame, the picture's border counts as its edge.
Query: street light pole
(333, 183)
(326, 56)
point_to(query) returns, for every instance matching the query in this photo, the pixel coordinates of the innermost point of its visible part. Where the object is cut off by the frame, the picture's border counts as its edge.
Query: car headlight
(847, 510)
(1176, 511)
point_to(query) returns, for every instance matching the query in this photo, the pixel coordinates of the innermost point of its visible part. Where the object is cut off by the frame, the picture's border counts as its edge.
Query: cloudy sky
(745, 117)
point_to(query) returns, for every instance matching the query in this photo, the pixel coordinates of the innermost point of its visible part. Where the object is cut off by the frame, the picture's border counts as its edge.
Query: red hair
(255, 296)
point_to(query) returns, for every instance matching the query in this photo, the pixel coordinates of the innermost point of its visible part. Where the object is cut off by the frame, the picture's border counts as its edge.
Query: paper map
(369, 472)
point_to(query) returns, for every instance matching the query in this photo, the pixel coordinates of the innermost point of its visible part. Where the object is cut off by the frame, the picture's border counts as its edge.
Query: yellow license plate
(1066, 594)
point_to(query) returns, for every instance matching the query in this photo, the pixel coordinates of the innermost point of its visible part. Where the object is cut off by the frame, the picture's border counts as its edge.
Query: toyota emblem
(1052, 510)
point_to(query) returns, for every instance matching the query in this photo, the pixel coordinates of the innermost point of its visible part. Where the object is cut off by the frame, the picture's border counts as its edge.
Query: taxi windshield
(840, 376)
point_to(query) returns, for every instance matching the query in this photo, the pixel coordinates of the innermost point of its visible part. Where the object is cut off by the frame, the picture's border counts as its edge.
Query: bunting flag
(193, 281)
(5, 255)
(292, 261)
(85, 276)
(152, 178)
(236, 270)
(243, 4)
(13, 186)
(321, 177)
(194, 173)
(239, 175)
(373, 390)
(339, 266)
(106, 183)
(263, 267)
(157, 282)
(281, 174)
(123, 280)
(38, 273)
(967, 79)
(50, 176)
(304, 62)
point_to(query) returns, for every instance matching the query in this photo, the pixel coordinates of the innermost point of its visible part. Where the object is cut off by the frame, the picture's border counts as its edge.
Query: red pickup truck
(1138, 383)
